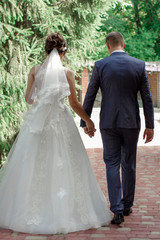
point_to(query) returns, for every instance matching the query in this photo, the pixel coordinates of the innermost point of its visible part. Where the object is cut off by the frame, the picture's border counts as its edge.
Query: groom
(120, 77)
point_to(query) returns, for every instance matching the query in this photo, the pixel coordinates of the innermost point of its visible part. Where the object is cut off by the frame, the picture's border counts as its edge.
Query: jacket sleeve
(91, 94)
(147, 100)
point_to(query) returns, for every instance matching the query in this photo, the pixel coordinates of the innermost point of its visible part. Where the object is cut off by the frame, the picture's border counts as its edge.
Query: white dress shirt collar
(118, 51)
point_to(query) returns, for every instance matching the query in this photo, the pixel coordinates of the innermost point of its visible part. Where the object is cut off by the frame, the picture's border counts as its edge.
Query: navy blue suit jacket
(120, 77)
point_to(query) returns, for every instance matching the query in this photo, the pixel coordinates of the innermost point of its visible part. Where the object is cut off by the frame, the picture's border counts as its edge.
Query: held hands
(148, 135)
(90, 128)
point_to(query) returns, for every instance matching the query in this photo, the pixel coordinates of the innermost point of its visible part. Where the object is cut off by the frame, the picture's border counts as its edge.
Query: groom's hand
(89, 132)
(148, 135)
(90, 128)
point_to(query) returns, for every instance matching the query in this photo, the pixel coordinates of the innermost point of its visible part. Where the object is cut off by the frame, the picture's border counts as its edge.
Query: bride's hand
(90, 128)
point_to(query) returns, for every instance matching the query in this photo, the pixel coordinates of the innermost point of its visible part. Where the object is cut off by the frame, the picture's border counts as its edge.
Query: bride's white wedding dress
(47, 184)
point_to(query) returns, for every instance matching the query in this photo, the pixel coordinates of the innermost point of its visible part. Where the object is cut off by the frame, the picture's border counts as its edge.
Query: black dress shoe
(118, 218)
(127, 212)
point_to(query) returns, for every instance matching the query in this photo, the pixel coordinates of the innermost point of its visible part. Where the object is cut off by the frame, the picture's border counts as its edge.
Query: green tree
(139, 22)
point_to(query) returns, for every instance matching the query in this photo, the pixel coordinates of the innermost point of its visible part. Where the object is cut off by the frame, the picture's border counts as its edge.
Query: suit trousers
(119, 150)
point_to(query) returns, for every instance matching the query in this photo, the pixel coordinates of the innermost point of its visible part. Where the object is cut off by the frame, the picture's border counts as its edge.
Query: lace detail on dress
(79, 188)
(51, 100)
(62, 192)
(38, 187)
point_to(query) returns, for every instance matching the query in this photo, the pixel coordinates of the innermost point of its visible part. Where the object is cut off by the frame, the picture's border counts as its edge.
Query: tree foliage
(138, 21)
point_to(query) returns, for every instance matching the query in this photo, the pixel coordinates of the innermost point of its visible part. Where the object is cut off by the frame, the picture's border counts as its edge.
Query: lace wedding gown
(47, 185)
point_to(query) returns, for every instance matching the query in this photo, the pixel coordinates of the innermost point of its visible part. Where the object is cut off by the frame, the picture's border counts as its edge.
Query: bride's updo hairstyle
(55, 40)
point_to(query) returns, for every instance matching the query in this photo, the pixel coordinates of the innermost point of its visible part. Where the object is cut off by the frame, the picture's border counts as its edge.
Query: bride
(47, 185)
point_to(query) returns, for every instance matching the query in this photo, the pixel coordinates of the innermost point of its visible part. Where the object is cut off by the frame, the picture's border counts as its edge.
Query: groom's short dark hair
(115, 39)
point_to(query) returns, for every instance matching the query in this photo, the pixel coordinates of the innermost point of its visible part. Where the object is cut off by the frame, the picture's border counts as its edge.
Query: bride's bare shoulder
(69, 74)
(34, 70)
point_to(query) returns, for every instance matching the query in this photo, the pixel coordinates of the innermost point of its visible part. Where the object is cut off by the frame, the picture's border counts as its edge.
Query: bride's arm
(76, 106)
(29, 85)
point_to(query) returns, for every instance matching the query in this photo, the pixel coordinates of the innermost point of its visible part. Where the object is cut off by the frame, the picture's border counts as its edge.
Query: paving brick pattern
(142, 224)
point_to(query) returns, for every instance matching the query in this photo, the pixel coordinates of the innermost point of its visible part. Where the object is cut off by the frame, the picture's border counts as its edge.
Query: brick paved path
(143, 224)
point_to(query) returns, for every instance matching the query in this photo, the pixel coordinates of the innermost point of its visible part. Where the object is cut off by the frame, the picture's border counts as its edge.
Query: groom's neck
(115, 49)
